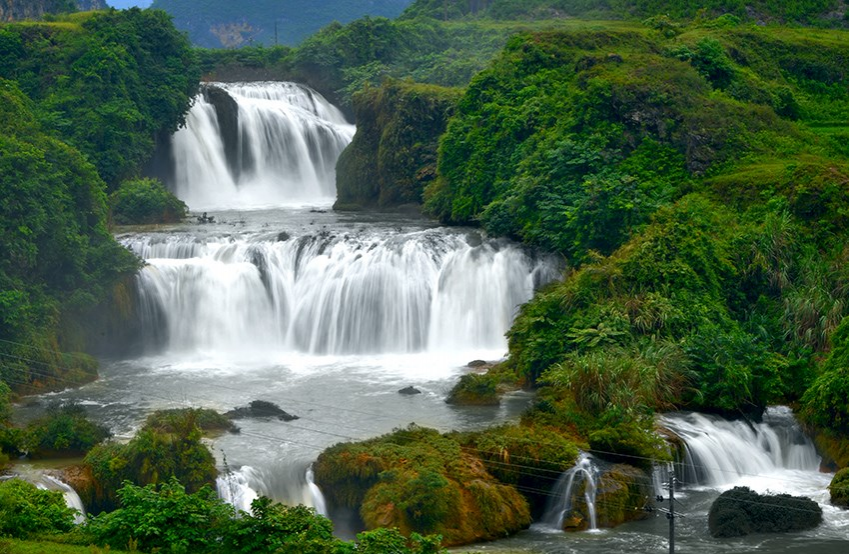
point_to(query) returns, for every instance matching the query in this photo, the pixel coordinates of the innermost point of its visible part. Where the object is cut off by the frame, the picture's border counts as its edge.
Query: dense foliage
(393, 154)
(81, 102)
(63, 429)
(26, 510)
(140, 201)
(817, 12)
(167, 446)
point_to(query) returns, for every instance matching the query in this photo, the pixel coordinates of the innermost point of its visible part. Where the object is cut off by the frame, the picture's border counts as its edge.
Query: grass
(15, 546)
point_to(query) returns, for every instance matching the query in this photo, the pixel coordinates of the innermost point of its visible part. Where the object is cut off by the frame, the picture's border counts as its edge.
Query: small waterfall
(289, 485)
(324, 294)
(580, 481)
(721, 452)
(235, 488)
(72, 499)
(317, 498)
(254, 145)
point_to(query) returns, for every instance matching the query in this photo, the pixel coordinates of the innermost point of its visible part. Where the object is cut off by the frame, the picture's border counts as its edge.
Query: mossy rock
(839, 488)
(475, 389)
(741, 511)
(420, 481)
(621, 495)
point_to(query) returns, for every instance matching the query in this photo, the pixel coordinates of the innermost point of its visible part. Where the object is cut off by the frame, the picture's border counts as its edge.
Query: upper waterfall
(252, 145)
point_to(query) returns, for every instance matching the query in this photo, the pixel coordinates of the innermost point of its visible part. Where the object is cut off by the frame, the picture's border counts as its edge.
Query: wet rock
(261, 409)
(283, 236)
(741, 511)
(476, 363)
(409, 391)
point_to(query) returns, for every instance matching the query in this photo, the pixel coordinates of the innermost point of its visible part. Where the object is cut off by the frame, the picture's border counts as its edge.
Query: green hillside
(221, 23)
(828, 13)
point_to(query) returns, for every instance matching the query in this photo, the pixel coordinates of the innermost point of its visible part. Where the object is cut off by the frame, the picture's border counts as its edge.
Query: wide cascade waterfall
(721, 453)
(324, 293)
(251, 145)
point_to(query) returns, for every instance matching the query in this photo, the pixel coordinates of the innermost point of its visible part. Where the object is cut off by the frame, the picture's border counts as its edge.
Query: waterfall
(72, 499)
(321, 293)
(316, 496)
(579, 481)
(253, 145)
(244, 485)
(719, 452)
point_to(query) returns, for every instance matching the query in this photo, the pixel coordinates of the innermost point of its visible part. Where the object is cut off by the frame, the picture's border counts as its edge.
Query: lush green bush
(153, 456)
(142, 201)
(163, 517)
(824, 404)
(26, 510)
(63, 429)
(475, 389)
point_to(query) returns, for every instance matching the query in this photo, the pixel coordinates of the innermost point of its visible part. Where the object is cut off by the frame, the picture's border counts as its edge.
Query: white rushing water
(581, 480)
(283, 149)
(333, 293)
(244, 485)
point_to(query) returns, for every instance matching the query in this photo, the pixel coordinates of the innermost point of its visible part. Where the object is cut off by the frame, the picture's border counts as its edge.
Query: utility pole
(671, 514)
(275, 32)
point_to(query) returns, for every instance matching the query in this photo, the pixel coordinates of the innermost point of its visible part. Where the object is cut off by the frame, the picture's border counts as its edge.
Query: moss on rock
(418, 480)
(622, 493)
(839, 488)
(393, 154)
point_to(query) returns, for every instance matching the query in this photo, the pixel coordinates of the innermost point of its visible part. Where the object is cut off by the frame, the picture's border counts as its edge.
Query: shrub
(26, 510)
(64, 428)
(475, 389)
(164, 517)
(145, 201)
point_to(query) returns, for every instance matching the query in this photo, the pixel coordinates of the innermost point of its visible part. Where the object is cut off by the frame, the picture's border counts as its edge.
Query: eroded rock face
(740, 511)
(227, 112)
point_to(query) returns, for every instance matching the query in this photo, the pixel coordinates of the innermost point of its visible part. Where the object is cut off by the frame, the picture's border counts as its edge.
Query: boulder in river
(261, 408)
(409, 391)
(740, 511)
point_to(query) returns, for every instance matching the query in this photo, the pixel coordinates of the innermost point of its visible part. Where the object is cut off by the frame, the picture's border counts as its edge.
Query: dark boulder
(261, 408)
(409, 391)
(741, 511)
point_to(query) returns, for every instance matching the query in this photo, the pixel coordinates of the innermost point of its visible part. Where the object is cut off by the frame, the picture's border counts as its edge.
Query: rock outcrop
(741, 511)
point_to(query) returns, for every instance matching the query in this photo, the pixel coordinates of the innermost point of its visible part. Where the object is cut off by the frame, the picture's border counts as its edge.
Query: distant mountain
(124, 4)
(228, 24)
(13, 10)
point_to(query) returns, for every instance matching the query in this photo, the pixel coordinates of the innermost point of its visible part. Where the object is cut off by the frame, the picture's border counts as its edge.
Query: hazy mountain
(223, 23)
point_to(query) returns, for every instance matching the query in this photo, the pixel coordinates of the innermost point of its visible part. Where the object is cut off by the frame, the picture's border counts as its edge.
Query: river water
(330, 314)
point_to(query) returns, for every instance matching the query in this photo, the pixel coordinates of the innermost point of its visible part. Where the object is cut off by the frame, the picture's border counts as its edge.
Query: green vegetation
(168, 446)
(393, 154)
(82, 100)
(62, 430)
(26, 510)
(839, 488)
(142, 201)
(418, 480)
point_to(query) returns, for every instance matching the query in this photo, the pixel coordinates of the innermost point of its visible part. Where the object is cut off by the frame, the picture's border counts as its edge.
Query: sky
(121, 4)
